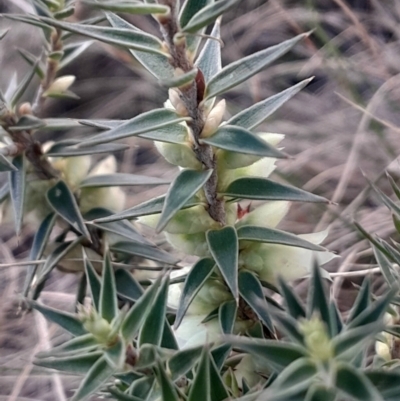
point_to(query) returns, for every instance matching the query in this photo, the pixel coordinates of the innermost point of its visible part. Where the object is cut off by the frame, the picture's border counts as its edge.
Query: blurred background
(343, 126)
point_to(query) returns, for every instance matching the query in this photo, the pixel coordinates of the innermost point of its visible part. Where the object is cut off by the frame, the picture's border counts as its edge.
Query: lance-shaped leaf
(171, 134)
(180, 80)
(263, 189)
(209, 60)
(157, 64)
(93, 280)
(129, 7)
(63, 319)
(220, 354)
(193, 283)
(183, 361)
(153, 326)
(251, 291)
(289, 326)
(386, 381)
(241, 70)
(388, 271)
(168, 340)
(39, 244)
(23, 86)
(62, 200)
(218, 390)
(190, 8)
(274, 236)
(318, 392)
(31, 60)
(17, 183)
(60, 150)
(136, 315)
(127, 286)
(76, 363)
(120, 396)
(207, 15)
(201, 382)
(140, 124)
(168, 391)
(362, 301)
(278, 354)
(72, 51)
(183, 188)
(227, 316)
(113, 36)
(108, 294)
(120, 180)
(6, 165)
(224, 247)
(355, 384)
(26, 123)
(240, 140)
(116, 354)
(97, 376)
(145, 251)
(253, 116)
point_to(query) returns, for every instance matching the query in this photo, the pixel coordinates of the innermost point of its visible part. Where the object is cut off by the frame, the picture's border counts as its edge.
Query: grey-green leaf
(120, 180)
(183, 361)
(17, 183)
(93, 281)
(71, 151)
(108, 293)
(253, 116)
(275, 236)
(227, 316)
(208, 15)
(181, 80)
(224, 247)
(241, 70)
(115, 36)
(23, 86)
(140, 124)
(193, 283)
(183, 188)
(190, 8)
(251, 291)
(201, 382)
(264, 189)
(72, 51)
(97, 376)
(168, 391)
(62, 200)
(6, 165)
(129, 7)
(240, 140)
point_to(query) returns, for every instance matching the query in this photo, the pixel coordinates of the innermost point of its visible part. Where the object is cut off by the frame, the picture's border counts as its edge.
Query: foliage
(229, 326)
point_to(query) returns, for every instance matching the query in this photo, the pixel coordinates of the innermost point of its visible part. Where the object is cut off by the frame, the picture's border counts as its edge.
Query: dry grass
(346, 123)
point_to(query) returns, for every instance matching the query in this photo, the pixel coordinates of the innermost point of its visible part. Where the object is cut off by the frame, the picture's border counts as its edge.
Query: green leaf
(40, 241)
(157, 64)
(387, 382)
(190, 8)
(170, 134)
(31, 60)
(114, 36)
(72, 51)
(362, 301)
(129, 7)
(253, 116)
(97, 376)
(207, 15)
(153, 325)
(251, 291)
(209, 60)
(120, 396)
(119, 180)
(388, 272)
(142, 387)
(139, 311)
(145, 251)
(288, 325)
(63, 319)
(392, 206)
(224, 247)
(318, 392)
(127, 286)
(201, 381)
(355, 384)
(227, 316)
(116, 354)
(94, 282)
(140, 124)
(274, 236)
(168, 391)
(183, 361)
(23, 86)
(220, 354)
(58, 150)
(193, 283)
(26, 123)
(6, 165)
(180, 80)
(263, 189)
(278, 354)
(17, 183)
(108, 295)
(240, 140)
(55, 256)
(31, 20)
(241, 70)
(63, 202)
(76, 363)
(318, 299)
(168, 340)
(183, 188)
(218, 390)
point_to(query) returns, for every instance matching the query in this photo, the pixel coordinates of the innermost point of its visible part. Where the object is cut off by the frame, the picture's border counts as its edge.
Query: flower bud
(178, 154)
(214, 119)
(95, 324)
(112, 198)
(25, 109)
(75, 169)
(190, 244)
(177, 103)
(60, 85)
